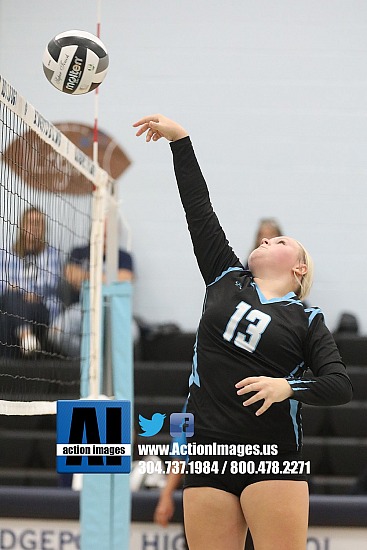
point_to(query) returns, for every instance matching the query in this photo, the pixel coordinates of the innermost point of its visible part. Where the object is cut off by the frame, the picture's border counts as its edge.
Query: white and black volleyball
(75, 62)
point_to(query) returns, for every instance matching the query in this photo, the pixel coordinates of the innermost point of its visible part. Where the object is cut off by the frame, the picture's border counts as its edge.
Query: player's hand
(271, 390)
(164, 510)
(158, 126)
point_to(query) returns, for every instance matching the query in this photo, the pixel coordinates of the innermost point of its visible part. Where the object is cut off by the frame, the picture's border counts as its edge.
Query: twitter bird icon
(153, 426)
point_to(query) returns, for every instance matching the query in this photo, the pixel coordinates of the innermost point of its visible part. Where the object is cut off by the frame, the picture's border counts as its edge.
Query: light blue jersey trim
(286, 298)
(301, 367)
(194, 376)
(204, 302)
(225, 273)
(293, 412)
(300, 381)
(314, 311)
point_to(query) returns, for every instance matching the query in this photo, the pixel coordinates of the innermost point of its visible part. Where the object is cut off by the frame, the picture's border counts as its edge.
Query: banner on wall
(30, 534)
(30, 150)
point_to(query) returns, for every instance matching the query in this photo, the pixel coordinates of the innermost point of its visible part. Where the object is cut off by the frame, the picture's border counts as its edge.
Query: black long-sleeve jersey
(242, 334)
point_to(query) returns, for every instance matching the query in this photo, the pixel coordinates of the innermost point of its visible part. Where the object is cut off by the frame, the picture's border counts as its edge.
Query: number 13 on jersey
(258, 321)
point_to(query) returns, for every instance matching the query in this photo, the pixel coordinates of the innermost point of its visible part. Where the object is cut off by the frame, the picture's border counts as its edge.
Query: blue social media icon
(153, 426)
(181, 423)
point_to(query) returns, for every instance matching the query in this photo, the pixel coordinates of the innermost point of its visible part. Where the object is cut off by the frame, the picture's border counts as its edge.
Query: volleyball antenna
(96, 255)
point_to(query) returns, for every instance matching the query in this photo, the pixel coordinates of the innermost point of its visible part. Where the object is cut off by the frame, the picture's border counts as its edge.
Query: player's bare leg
(213, 519)
(276, 512)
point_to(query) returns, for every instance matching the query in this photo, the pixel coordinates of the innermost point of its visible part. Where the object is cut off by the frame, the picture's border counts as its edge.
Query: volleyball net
(52, 212)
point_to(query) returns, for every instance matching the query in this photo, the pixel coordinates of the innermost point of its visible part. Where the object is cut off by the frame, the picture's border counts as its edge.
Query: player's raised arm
(212, 251)
(158, 126)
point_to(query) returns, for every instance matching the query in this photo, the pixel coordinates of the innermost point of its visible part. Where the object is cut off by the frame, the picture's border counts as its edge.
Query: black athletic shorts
(233, 472)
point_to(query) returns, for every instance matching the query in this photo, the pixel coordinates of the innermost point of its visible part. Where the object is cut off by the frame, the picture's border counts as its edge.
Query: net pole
(96, 269)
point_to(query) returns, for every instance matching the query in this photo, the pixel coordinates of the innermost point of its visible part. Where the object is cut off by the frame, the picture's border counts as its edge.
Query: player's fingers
(255, 386)
(159, 514)
(254, 399)
(264, 407)
(150, 134)
(163, 516)
(247, 381)
(161, 520)
(142, 129)
(146, 119)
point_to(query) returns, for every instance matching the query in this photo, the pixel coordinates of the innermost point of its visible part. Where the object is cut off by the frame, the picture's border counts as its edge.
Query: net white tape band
(27, 408)
(49, 133)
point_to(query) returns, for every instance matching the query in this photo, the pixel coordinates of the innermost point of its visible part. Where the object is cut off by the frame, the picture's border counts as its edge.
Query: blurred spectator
(30, 276)
(65, 333)
(268, 228)
(347, 325)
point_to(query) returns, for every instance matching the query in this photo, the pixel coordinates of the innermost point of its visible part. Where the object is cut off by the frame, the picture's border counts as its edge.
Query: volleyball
(75, 62)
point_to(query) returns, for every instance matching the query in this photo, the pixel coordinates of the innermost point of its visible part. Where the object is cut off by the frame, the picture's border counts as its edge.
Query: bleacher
(335, 438)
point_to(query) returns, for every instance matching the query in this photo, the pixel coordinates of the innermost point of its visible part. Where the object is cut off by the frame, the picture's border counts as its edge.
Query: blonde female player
(255, 339)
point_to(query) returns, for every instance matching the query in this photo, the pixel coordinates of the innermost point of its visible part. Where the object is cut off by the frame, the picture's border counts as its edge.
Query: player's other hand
(164, 510)
(270, 390)
(158, 126)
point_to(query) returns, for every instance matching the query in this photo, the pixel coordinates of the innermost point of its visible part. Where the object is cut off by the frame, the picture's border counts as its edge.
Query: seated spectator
(65, 333)
(77, 268)
(30, 276)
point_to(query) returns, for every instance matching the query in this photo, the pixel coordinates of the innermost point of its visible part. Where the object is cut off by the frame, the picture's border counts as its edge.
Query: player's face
(280, 253)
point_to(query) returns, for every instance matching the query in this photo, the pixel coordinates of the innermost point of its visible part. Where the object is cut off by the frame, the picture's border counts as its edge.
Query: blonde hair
(306, 280)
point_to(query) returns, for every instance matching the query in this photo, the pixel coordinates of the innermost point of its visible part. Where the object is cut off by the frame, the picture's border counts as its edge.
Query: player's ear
(301, 269)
